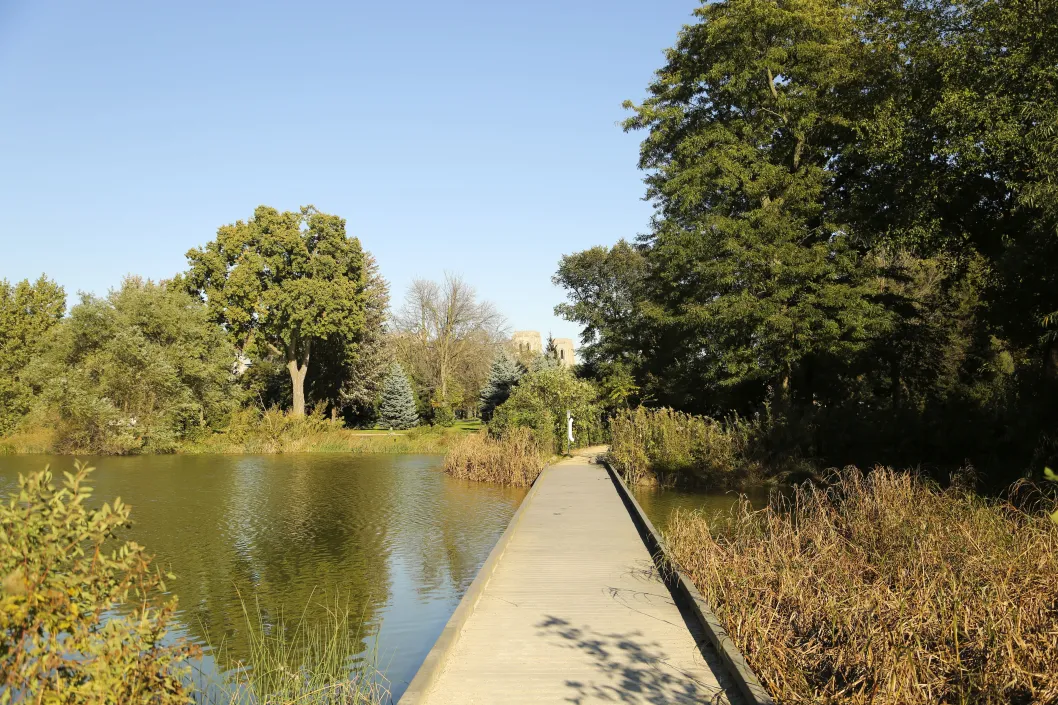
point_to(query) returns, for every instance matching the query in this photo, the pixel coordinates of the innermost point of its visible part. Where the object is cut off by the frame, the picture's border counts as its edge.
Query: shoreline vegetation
(674, 449)
(258, 432)
(515, 459)
(883, 588)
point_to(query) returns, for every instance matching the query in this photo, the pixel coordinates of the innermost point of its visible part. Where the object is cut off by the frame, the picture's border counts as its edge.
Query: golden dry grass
(515, 459)
(884, 589)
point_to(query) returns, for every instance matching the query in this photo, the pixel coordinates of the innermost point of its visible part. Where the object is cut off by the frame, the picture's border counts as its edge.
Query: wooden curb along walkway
(570, 607)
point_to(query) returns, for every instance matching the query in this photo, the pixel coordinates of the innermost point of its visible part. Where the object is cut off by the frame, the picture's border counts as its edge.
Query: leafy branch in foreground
(81, 617)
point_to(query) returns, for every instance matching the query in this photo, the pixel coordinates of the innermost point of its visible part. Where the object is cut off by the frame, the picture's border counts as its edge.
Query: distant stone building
(529, 343)
(564, 346)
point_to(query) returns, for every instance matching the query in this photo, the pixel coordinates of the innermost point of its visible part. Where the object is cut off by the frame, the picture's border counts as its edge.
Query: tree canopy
(282, 283)
(141, 369)
(446, 337)
(854, 210)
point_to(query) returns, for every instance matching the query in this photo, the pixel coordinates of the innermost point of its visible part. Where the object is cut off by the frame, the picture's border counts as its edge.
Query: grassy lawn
(468, 425)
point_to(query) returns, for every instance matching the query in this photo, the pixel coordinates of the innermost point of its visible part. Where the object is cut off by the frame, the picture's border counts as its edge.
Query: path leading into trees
(569, 609)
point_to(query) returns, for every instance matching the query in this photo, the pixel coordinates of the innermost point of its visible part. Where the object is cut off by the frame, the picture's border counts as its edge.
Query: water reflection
(660, 504)
(395, 538)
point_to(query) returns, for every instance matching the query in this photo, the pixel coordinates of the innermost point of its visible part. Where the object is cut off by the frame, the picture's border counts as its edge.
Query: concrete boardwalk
(572, 612)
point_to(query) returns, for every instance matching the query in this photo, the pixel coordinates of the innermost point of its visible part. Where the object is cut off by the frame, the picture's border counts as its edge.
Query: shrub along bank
(529, 427)
(884, 589)
(256, 431)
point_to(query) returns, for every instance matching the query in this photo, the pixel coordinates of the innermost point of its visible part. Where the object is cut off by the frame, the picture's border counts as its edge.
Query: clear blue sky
(481, 137)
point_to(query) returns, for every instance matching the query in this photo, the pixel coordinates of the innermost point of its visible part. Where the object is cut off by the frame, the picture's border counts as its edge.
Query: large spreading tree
(749, 272)
(283, 282)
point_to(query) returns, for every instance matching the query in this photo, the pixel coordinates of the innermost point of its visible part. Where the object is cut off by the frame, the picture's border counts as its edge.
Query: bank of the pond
(265, 438)
(391, 535)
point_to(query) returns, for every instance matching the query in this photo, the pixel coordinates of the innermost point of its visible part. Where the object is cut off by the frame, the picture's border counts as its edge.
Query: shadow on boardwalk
(632, 669)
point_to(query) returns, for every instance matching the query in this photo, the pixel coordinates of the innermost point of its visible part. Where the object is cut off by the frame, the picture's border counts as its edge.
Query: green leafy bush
(138, 371)
(82, 614)
(540, 400)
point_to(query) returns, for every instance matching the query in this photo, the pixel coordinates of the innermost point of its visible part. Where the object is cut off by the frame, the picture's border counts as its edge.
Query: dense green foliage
(349, 373)
(855, 218)
(396, 408)
(161, 367)
(540, 401)
(282, 283)
(503, 375)
(142, 369)
(61, 640)
(27, 312)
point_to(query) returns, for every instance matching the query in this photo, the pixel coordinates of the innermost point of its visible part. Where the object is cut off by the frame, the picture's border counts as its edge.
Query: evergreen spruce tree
(397, 406)
(504, 374)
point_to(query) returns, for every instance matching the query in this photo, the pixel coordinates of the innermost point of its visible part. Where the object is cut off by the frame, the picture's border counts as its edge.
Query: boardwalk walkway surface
(572, 612)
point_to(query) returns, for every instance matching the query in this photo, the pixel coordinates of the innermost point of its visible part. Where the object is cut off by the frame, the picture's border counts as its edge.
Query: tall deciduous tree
(284, 282)
(605, 289)
(447, 337)
(749, 272)
(349, 371)
(855, 202)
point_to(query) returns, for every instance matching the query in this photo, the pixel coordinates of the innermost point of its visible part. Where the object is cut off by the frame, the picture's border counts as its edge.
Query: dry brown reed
(884, 589)
(515, 459)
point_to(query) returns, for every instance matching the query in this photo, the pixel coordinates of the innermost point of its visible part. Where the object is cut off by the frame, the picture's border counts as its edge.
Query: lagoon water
(392, 536)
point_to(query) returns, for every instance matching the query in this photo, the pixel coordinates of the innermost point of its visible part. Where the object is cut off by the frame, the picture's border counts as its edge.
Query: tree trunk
(298, 370)
(297, 381)
(444, 376)
(783, 398)
(895, 391)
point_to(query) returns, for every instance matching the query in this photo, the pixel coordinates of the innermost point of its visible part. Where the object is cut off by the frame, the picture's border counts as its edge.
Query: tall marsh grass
(882, 588)
(515, 459)
(663, 446)
(308, 662)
